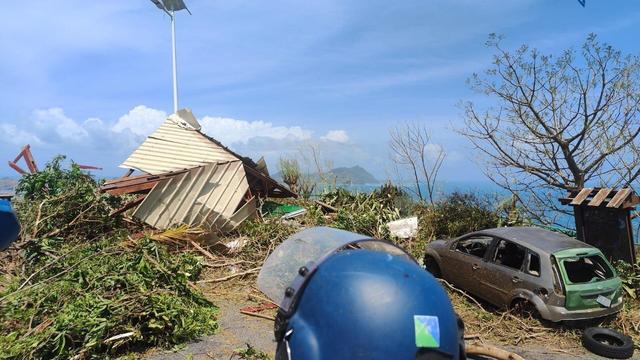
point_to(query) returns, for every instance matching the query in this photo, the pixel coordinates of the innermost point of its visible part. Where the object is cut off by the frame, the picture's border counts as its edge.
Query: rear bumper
(559, 313)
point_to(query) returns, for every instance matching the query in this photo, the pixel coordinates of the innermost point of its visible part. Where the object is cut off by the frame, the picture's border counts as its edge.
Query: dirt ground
(237, 330)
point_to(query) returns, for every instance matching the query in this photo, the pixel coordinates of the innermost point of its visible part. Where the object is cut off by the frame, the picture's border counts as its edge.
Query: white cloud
(336, 136)
(230, 131)
(140, 120)
(54, 122)
(17, 136)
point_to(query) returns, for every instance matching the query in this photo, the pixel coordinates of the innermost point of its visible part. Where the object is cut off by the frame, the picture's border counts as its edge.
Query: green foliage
(511, 214)
(103, 297)
(63, 202)
(630, 276)
(455, 215)
(366, 214)
(80, 289)
(251, 353)
(264, 237)
(394, 196)
(290, 170)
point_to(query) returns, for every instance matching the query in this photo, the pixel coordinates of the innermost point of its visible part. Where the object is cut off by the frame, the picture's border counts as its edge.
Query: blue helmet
(346, 296)
(9, 225)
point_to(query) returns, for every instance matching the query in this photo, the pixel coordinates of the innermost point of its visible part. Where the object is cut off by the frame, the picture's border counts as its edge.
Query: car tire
(431, 265)
(608, 343)
(525, 308)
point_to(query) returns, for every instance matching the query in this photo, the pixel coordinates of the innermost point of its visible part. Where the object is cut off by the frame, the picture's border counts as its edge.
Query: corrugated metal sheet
(176, 145)
(207, 196)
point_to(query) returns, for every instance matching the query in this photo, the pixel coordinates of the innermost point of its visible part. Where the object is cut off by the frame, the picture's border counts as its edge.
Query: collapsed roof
(193, 179)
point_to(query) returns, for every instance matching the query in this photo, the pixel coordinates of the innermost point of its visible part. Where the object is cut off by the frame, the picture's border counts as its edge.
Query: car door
(464, 258)
(510, 266)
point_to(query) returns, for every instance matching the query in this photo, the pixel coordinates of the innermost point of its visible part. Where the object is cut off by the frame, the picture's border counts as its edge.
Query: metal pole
(175, 66)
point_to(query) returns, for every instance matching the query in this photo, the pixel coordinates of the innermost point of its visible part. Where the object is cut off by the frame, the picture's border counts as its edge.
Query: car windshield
(584, 269)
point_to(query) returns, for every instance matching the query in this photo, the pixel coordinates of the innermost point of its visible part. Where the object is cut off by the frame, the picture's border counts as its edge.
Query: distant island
(356, 175)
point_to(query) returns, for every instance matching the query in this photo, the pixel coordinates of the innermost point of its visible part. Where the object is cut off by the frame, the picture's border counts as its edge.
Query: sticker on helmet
(427, 331)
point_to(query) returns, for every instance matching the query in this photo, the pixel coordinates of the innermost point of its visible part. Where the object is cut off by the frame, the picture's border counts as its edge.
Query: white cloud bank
(107, 143)
(52, 126)
(339, 136)
(232, 131)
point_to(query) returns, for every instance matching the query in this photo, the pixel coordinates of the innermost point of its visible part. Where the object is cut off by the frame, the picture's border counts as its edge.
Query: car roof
(536, 239)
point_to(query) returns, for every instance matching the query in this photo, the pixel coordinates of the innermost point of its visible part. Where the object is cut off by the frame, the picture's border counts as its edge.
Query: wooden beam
(582, 195)
(17, 168)
(619, 198)
(600, 196)
(128, 206)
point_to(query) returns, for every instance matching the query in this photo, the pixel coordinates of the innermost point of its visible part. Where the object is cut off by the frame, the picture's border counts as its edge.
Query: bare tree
(412, 148)
(311, 155)
(557, 124)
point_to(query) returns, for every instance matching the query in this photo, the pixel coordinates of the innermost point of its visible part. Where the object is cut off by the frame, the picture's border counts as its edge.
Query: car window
(586, 269)
(509, 254)
(534, 264)
(476, 245)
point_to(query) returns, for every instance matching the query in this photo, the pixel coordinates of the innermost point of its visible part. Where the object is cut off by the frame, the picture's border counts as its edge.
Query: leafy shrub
(395, 197)
(79, 291)
(103, 297)
(366, 214)
(263, 237)
(630, 276)
(290, 170)
(455, 215)
(63, 202)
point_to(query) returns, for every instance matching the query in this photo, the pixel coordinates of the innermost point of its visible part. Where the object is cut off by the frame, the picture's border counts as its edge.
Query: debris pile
(191, 179)
(77, 285)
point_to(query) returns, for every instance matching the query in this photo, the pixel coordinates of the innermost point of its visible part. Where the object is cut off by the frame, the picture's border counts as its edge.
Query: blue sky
(269, 78)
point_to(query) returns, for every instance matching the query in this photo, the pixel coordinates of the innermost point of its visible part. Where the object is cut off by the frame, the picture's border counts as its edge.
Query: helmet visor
(308, 248)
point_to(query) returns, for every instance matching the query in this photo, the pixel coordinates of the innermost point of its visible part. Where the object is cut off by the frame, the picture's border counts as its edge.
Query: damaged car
(529, 269)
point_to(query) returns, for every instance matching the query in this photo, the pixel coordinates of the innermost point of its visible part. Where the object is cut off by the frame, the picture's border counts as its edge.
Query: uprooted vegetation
(80, 286)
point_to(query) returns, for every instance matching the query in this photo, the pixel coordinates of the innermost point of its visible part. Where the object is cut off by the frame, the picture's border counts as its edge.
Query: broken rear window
(586, 269)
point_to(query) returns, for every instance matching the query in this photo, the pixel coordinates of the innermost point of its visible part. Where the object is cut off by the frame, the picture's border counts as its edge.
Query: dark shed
(603, 219)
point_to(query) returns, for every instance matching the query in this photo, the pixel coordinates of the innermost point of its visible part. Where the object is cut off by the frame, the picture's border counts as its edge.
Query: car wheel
(525, 308)
(608, 343)
(432, 266)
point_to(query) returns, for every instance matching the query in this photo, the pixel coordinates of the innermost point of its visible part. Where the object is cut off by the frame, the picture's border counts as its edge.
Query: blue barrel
(9, 225)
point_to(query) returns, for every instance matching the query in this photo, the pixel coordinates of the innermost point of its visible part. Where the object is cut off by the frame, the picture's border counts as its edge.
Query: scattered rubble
(404, 228)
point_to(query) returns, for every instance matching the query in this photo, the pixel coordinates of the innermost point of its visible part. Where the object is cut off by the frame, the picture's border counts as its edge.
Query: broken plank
(600, 196)
(582, 195)
(619, 198)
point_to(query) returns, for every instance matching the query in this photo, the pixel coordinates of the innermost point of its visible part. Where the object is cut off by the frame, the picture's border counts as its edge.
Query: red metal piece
(25, 154)
(88, 167)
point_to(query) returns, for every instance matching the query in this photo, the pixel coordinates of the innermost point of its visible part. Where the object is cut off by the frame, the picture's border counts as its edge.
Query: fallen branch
(224, 264)
(202, 250)
(272, 318)
(260, 298)
(120, 336)
(491, 351)
(225, 278)
(463, 293)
